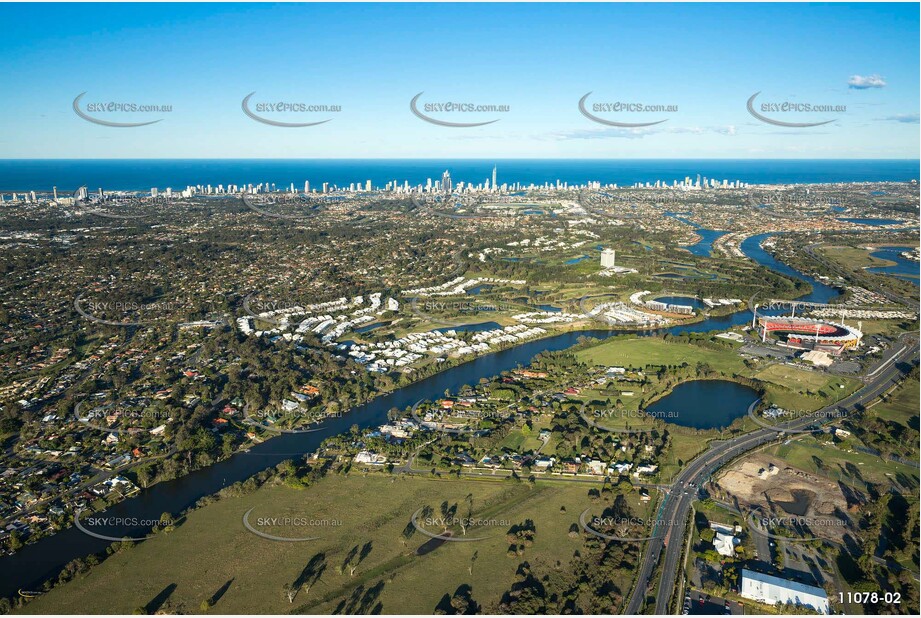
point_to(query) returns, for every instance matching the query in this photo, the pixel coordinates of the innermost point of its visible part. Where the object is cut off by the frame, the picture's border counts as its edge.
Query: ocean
(41, 175)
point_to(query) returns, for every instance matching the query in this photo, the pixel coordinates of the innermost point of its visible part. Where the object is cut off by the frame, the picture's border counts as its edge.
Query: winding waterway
(902, 268)
(39, 561)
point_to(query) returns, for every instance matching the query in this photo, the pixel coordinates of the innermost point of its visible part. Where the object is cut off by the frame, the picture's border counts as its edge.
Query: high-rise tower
(446, 182)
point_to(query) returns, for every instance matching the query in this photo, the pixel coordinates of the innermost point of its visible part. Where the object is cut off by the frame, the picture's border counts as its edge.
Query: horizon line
(916, 159)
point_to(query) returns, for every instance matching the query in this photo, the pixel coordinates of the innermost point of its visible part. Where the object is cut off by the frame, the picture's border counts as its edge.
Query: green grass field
(212, 549)
(790, 387)
(648, 351)
(853, 257)
(902, 407)
(811, 455)
(794, 379)
(517, 441)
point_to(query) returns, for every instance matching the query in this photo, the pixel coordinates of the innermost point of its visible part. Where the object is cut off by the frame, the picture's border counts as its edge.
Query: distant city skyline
(717, 80)
(318, 175)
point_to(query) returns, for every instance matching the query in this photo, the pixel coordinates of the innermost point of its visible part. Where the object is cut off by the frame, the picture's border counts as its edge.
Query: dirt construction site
(771, 487)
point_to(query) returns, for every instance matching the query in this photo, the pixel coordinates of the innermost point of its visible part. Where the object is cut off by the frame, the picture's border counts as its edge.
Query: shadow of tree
(157, 602)
(220, 592)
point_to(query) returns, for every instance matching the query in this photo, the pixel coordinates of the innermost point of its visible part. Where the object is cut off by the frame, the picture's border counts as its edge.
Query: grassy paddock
(649, 351)
(212, 549)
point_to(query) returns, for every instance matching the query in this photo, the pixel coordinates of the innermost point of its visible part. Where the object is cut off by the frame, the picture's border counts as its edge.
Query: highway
(676, 507)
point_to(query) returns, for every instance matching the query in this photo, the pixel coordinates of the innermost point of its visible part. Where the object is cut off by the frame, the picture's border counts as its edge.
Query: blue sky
(538, 59)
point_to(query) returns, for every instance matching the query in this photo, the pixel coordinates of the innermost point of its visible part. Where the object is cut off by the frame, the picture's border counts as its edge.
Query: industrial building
(772, 590)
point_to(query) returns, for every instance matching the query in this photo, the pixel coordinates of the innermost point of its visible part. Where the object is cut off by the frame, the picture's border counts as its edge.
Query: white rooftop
(770, 590)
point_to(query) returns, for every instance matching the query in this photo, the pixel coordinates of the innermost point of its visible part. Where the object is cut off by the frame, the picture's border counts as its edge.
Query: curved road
(676, 507)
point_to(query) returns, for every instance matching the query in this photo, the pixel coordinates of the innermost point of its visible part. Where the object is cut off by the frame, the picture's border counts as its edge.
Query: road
(677, 504)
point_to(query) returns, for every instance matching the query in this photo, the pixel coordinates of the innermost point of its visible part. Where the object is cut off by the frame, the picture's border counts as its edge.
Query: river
(39, 561)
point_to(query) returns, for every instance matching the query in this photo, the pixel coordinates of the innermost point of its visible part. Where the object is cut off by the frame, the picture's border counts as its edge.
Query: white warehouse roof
(769, 589)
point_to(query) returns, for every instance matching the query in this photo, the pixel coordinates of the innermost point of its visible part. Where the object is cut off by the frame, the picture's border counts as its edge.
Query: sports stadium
(809, 334)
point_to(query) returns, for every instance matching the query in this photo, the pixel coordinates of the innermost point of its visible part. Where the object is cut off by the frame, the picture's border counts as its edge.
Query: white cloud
(638, 132)
(863, 82)
(902, 118)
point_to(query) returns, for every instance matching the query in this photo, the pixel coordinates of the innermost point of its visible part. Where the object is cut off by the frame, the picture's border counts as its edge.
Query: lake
(704, 404)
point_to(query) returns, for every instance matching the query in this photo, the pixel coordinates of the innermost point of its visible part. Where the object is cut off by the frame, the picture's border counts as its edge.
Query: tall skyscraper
(495, 187)
(306, 186)
(446, 182)
(55, 190)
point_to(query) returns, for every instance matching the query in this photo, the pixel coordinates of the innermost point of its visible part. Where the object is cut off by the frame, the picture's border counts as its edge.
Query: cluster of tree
(520, 537)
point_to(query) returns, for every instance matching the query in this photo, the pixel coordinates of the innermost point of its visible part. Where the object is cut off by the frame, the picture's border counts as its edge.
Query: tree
(407, 533)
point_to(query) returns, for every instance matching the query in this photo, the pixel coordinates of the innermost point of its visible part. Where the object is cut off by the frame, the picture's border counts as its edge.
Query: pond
(704, 404)
(370, 327)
